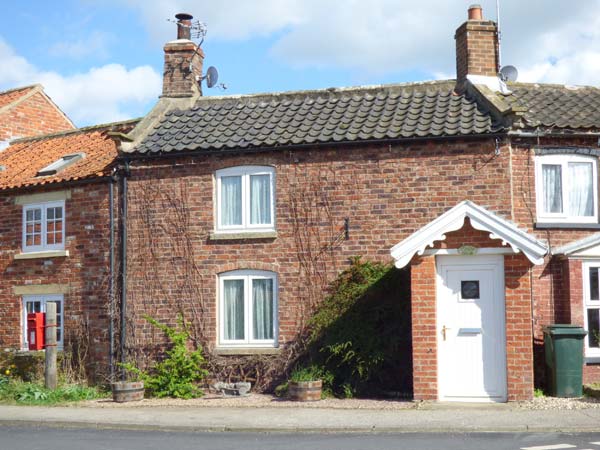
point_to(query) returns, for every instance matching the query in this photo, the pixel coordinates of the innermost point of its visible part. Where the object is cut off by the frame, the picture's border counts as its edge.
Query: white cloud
(95, 44)
(230, 19)
(103, 94)
(545, 39)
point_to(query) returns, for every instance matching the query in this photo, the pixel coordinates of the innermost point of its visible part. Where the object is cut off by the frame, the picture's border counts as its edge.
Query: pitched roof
(395, 111)
(559, 106)
(12, 95)
(24, 158)
(320, 116)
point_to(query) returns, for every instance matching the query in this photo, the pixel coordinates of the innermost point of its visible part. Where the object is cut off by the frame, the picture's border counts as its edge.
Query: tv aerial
(509, 73)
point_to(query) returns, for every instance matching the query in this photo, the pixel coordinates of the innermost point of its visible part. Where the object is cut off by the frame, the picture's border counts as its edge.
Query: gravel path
(268, 401)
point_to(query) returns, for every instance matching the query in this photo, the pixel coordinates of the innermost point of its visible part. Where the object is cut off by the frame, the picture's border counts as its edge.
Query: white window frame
(590, 353)
(43, 246)
(248, 342)
(245, 172)
(563, 161)
(43, 299)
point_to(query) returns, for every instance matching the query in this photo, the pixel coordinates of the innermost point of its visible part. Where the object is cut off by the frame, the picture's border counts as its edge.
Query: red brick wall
(519, 349)
(387, 192)
(85, 271)
(34, 116)
(424, 328)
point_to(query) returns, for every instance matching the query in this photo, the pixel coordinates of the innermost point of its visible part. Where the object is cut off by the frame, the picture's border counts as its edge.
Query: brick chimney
(183, 62)
(476, 46)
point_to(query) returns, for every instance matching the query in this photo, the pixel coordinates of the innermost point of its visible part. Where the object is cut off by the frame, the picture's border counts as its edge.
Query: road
(28, 438)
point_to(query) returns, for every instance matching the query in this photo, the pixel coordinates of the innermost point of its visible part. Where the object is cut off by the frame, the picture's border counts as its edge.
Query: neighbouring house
(28, 111)
(56, 232)
(243, 208)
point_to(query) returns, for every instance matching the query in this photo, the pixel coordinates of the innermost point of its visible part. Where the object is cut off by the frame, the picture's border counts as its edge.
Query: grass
(14, 391)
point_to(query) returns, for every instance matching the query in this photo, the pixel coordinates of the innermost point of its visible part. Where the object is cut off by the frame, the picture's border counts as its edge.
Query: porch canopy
(481, 219)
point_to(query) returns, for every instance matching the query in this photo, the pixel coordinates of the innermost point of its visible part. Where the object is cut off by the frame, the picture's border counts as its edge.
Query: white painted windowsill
(240, 235)
(45, 254)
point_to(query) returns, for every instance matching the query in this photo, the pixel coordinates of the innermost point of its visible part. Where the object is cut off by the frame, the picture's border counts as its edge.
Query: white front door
(470, 328)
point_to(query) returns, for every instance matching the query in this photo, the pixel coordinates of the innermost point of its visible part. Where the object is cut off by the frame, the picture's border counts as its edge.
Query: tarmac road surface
(42, 438)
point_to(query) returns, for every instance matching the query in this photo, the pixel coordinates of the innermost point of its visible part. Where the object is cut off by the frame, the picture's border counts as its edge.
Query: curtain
(260, 199)
(233, 296)
(231, 200)
(552, 189)
(581, 197)
(262, 297)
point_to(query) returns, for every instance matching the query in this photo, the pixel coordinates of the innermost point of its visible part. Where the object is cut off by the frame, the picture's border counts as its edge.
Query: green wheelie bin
(563, 346)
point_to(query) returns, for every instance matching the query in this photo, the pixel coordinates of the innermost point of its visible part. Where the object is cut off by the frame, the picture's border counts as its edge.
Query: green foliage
(310, 373)
(179, 373)
(361, 330)
(538, 393)
(13, 390)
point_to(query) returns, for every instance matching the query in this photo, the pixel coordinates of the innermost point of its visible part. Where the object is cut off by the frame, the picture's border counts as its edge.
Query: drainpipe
(124, 264)
(111, 289)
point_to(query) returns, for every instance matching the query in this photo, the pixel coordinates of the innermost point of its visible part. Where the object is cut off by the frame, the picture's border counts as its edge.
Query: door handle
(444, 329)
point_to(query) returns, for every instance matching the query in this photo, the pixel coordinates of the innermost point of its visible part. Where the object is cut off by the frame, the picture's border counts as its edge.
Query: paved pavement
(430, 418)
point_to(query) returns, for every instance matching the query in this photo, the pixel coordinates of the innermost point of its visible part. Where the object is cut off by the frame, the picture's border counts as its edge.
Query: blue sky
(102, 60)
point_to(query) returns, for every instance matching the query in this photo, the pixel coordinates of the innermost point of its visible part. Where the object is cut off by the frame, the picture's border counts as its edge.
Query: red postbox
(35, 330)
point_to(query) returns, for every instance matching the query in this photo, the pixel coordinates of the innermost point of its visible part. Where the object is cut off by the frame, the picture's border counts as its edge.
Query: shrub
(179, 373)
(360, 334)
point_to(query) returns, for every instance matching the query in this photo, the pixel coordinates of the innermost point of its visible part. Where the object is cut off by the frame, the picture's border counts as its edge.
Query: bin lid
(564, 330)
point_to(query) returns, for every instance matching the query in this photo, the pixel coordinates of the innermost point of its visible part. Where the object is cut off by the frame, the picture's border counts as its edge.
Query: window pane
(233, 316)
(262, 309)
(50, 213)
(593, 327)
(552, 186)
(594, 294)
(581, 196)
(231, 200)
(260, 199)
(33, 307)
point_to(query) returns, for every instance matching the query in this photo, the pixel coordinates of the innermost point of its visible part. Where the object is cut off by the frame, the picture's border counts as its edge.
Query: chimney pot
(475, 12)
(184, 25)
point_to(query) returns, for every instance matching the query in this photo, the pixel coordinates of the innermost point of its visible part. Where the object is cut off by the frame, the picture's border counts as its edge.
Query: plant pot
(239, 389)
(127, 391)
(305, 391)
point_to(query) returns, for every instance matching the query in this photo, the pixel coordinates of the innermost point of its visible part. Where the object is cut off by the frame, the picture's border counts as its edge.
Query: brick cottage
(239, 210)
(485, 190)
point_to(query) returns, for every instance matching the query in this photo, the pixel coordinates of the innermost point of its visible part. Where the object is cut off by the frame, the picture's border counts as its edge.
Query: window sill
(566, 225)
(246, 351)
(224, 236)
(592, 360)
(45, 254)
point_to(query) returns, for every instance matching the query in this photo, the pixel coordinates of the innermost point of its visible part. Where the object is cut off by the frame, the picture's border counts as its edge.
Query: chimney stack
(183, 62)
(476, 47)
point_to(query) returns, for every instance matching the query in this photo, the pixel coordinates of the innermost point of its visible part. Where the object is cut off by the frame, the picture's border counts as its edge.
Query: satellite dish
(509, 73)
(212, 76)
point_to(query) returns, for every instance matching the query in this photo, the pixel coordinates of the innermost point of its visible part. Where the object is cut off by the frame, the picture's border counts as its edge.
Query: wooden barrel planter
(305, 391)
(128, 391)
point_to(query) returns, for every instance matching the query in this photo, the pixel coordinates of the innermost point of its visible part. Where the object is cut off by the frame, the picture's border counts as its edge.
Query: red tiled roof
(22, 160)
(13, 95)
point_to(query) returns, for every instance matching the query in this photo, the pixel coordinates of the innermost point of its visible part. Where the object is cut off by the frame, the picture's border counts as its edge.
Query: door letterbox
(35, 330)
